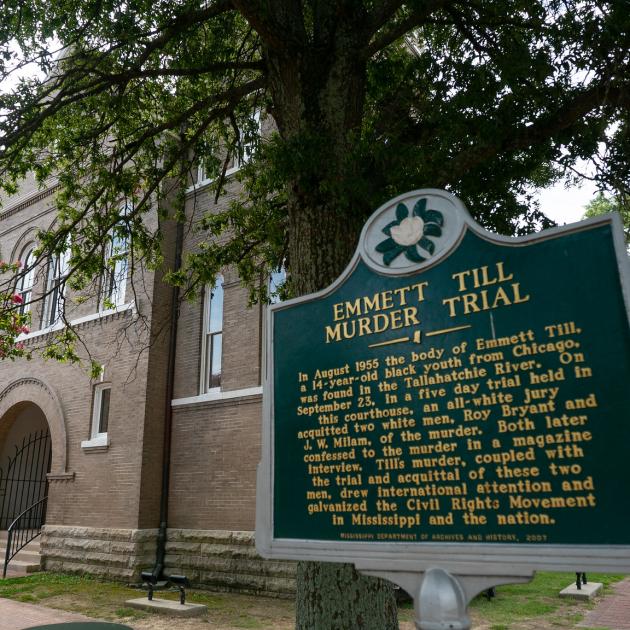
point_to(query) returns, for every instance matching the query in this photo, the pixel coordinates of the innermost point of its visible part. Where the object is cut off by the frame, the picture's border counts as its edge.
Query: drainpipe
(158, 569)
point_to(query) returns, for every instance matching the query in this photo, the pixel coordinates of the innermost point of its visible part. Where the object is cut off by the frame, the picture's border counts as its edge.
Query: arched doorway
(25, 460)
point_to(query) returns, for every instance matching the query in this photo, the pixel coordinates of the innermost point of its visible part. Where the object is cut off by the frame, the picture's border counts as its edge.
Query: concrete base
(588, 591)
(167, 607)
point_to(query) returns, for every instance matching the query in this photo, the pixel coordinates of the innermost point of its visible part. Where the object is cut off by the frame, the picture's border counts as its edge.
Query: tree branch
(67, 83)
(137, 73)
(232, 97)
(280, 24)
(384, 11)
(540, 131)
(398, 29)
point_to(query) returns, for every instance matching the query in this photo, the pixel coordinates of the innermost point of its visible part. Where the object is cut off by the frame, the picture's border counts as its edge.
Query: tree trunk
(331, 596)
(318, 108)
(335, 597)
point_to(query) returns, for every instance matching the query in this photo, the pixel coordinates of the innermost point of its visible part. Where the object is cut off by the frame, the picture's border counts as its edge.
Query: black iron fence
(25, 528)
(23, 478)
(23, 492)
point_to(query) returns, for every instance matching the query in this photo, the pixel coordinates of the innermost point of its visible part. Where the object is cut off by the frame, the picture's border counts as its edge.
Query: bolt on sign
(454, 411)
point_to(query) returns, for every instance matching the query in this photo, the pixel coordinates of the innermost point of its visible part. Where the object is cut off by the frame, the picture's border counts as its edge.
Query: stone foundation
(227, 561)
(118, 554)
(215, 559)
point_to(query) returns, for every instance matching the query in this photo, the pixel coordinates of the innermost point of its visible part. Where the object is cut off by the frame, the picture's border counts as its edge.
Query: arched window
(26, 281)
(54, 305)
(116, 268)
(212, 342)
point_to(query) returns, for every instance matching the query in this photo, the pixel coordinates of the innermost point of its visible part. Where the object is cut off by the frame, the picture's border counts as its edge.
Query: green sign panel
(454, 387)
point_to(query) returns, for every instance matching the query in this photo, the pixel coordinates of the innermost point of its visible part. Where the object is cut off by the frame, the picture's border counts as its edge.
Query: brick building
(103, 478)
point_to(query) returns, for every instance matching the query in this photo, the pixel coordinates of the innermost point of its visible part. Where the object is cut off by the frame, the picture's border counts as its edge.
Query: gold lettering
(402, 294)
(353, 308)
(396, 319)
(502, 276)
(470, 303)
(516, 288)
(410, 316)
(364, 326)
(333, 334)
(501, 297)
(421, 286)
(373, 304)
(387, 299)
(451, 304)
(460, 277)
(384, 325)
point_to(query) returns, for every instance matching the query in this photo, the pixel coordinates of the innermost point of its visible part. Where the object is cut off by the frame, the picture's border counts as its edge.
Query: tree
(367, 99)
(603, 204)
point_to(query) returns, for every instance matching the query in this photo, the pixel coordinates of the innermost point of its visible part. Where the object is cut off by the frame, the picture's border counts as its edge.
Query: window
(276, 280)
(55, 289)
(100, 413)
(25, 284)
(100, 417)
(116, 269)
(212, 340)
(248, 140)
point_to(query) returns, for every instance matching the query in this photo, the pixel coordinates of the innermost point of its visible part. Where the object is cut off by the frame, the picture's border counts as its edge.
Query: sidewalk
(18, 615)
(613, 612)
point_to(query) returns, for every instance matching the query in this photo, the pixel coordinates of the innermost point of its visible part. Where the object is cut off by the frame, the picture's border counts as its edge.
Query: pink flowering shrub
(13, 323)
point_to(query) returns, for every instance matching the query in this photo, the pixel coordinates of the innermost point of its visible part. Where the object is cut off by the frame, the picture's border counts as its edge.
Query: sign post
(453, 413)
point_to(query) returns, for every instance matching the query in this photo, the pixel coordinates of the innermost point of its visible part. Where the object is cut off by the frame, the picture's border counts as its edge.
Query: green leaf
(420, 208)
(433, 216)
(427, 245)
(391, 254)
(402, 212)
(432, 229)
(413, 255)
(388, 228)
(386, 245)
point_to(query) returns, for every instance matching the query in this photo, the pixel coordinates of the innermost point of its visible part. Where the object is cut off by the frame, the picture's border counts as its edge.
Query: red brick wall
(216, 449)
(216, 444)
(108, 487)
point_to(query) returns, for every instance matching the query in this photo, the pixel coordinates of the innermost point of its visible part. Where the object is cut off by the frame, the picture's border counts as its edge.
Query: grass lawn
(536, 604)
(532, 606)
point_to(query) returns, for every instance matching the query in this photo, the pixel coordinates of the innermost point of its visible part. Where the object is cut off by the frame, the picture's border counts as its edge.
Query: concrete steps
(26, 561)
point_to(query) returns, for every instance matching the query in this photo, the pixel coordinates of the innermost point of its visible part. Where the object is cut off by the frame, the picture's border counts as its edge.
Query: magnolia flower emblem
(410, 234)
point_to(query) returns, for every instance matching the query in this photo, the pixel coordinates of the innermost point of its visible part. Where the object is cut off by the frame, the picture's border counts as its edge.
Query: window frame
(58, 271)
(26, 282)
(210, 337)
(96, 435)
(114, 279)
(238, 160)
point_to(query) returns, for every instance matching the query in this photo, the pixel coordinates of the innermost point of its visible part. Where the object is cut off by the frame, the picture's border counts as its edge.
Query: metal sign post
(452, 413)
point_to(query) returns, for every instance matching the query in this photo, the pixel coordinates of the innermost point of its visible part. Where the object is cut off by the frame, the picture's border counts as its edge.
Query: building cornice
(28, 199)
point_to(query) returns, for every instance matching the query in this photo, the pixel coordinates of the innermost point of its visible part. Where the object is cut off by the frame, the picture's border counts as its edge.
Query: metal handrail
(23, 539)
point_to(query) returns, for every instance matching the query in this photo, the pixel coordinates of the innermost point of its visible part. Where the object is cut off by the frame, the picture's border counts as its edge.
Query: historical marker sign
(455, 399)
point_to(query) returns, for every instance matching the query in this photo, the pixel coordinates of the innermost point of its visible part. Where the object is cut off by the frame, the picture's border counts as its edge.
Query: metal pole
(441, 603)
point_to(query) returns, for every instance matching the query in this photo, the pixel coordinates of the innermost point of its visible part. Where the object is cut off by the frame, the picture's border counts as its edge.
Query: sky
(566, 205)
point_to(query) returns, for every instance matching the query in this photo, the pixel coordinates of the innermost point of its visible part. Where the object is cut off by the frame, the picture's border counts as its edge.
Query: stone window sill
(96, 444)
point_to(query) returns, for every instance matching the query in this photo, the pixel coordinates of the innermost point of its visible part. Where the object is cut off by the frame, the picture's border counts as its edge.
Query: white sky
(566, 205)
